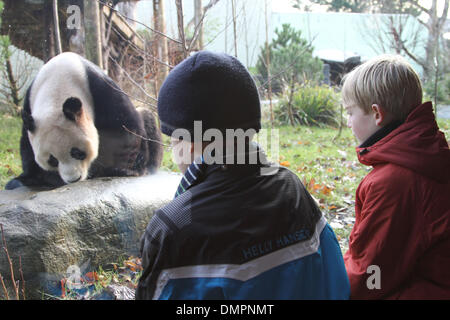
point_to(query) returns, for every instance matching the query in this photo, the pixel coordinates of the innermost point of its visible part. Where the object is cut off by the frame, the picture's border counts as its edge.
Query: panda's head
(66, 141)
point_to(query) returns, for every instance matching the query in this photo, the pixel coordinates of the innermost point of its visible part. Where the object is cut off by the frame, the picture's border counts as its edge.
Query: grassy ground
(327, 165)
(10, 163)
(97, 285)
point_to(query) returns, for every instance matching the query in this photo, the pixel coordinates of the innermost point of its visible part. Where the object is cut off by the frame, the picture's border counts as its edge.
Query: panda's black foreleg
(14, 184)
(29, 165)
(45, 179)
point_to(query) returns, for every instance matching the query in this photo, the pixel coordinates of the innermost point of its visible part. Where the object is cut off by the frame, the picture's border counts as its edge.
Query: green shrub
(442, 93)
(10, 160)
(310, 105)
(291, 60)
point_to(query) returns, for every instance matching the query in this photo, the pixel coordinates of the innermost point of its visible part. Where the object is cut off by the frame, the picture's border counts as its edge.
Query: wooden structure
(30, 26)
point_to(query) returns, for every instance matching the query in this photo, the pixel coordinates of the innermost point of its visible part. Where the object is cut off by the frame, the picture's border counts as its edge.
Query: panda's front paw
(14, 184)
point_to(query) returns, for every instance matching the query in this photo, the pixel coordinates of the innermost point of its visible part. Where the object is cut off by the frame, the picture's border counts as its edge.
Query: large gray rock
(89, 223)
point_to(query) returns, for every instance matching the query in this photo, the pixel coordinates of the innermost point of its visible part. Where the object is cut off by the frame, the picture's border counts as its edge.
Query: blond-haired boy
(400, 245)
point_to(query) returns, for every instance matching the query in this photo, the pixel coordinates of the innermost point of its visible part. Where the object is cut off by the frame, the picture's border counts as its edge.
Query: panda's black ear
(72, 108)
(28, 121)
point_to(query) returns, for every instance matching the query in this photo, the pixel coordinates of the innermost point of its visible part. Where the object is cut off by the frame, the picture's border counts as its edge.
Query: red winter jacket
(403, 214)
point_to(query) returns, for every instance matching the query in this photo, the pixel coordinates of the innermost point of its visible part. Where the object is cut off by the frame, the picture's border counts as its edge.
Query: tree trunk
(160, 48)
(341, 122)
(233, 8)
(198, 9)
(291, 97)
(93, 38)
(244, 12)
(13, 86)
(430, 49)
(48, 45)
(180, 20)
(435, 26)
(269, 80)
(56, 25)
(226, 29)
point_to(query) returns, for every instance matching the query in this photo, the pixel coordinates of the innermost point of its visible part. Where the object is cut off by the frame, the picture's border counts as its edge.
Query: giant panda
(78, 124)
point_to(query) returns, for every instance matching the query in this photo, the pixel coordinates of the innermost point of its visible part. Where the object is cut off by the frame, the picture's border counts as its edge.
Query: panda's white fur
(55, 135)
(78, 124)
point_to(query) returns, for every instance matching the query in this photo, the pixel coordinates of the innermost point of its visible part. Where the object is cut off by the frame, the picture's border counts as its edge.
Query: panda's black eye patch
(78, 154)
(53, 162)
(72, 108)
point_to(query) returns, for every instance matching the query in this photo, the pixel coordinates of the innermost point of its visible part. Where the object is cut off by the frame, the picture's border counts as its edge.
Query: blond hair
(388, 81)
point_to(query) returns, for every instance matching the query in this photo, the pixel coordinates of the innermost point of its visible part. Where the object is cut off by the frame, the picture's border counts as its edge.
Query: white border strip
(246, 271)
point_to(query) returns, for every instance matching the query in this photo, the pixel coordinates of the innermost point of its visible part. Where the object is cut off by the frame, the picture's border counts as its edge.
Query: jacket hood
(417, 145)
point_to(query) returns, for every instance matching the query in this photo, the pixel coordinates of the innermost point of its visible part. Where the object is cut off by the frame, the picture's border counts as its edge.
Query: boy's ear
(381, 115)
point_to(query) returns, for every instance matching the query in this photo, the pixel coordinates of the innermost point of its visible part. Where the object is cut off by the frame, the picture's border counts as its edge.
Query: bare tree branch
(140, 51)
(211, 4)
(180, 20)
(443, 18)
(293, 61)
(225, 28)
(135, 83)
(424, 24)
(103, 2)
(197, 30)
(22, 278)
(233, 10)
(4, 288)
(11, 269)
(56, 23)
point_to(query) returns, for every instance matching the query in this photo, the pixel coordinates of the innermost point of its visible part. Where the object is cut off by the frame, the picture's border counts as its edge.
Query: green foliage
(10, 161)
(355, 6)
(358, 6)
(398, 6)
(5, 56)
(4, 41)
(311, 106)
(291, 60)
(442, 92)
(145, 34)
(315, 154)
(5, 53)
(4, 44)
(211, 27)
(328, 167)
(444, 126)
(167, 162)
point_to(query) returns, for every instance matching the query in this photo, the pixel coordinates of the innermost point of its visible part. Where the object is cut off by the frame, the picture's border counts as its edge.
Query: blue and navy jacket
(239, 232)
